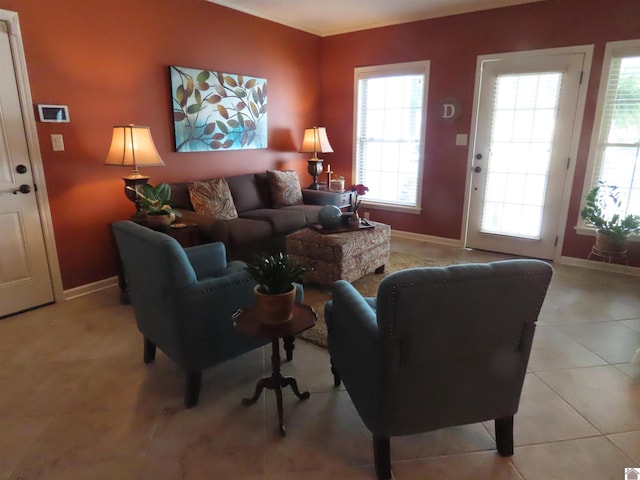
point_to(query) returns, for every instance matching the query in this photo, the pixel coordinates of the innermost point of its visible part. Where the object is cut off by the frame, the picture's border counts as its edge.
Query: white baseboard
(449, 242)
(90, 288)
(603, 266)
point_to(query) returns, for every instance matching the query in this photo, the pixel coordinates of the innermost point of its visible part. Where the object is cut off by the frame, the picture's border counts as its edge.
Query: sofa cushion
(213, 198)
(244, 231)
(281, 221)
(285, 188)
(249, 192)
(310, 211)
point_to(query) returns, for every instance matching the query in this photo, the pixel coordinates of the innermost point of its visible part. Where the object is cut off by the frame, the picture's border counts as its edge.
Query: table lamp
(132, 145)
(315, 140)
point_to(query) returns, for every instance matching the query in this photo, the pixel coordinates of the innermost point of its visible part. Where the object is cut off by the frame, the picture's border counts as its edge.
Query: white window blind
(616, 156)
(390, 118)
(525, 109)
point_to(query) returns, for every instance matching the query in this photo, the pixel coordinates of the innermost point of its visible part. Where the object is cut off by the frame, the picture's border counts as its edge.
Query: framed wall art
(218, 111)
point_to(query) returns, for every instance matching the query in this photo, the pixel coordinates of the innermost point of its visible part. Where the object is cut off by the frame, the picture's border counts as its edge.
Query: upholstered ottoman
(341, 256)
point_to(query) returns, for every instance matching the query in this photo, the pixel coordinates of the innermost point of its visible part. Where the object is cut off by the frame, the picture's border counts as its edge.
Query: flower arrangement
(358, 190)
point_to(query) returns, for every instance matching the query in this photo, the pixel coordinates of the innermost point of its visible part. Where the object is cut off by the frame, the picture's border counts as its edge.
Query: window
(389, 129)
(615, 152)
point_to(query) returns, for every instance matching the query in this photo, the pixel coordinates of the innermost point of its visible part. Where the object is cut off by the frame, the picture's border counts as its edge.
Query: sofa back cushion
(213, 198)
(180, 195)
(250, 191)
(285, 188)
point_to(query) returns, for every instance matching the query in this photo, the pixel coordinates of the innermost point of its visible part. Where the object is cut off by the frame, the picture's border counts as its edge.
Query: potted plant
(155, 203)
(275, 292)
(602, 210)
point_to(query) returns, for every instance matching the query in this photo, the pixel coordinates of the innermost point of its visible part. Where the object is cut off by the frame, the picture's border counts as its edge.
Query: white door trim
(24, 92)
(587, 50)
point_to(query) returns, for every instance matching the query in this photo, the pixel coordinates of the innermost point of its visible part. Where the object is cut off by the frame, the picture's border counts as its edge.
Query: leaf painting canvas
(218, 111)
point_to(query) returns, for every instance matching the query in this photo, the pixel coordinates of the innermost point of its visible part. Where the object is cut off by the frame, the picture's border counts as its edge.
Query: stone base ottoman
(341, 256)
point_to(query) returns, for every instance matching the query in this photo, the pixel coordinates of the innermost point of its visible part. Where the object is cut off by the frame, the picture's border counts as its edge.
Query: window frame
(379, 71)
(616, 49)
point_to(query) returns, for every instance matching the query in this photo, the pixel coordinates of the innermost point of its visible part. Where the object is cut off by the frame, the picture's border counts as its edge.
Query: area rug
(316, 295)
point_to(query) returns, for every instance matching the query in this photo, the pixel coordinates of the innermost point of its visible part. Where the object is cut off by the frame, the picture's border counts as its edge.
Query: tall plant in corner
(603, 210)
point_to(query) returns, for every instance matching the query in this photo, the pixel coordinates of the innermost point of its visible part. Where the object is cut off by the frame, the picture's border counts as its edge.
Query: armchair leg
(336, 376)
(504, 436)
(149, 354)
(382, 457)
(289, 345)
(194, 380)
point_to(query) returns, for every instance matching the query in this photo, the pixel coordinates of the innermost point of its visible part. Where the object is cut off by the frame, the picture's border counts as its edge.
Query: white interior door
(25, 279)
(526, 109)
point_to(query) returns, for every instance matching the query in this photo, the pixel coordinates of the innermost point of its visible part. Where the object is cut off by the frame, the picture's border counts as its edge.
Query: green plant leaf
(203, 76)
(223, 128)
(195, 108)
(181, 97)
(233, 123)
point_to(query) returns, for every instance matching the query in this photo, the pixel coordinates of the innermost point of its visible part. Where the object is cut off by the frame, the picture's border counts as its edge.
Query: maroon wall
(452, 44)
(108, 61)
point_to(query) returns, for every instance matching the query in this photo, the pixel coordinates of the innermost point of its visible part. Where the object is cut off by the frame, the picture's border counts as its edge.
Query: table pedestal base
(276, 382)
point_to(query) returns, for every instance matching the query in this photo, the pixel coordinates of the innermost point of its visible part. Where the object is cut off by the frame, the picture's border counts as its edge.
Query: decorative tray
(339, 229)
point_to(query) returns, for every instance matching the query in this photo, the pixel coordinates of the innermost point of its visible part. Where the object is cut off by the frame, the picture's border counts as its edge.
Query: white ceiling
(331, 17)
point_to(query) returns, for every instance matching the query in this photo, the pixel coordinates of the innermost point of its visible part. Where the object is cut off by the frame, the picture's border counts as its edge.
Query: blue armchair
(184, 299)
(438, 347)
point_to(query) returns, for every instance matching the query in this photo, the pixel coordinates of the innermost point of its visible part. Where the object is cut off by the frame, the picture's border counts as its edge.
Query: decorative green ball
(329, 216)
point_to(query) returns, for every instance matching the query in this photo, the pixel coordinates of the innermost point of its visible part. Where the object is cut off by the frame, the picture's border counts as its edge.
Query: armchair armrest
(350, 313)
(207, 259)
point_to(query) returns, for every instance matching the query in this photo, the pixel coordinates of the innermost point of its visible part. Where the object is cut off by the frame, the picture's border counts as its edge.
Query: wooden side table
(247, 321)
(325, 197)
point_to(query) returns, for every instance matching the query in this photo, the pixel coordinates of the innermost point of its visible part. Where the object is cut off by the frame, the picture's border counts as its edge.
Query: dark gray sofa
(259, 228)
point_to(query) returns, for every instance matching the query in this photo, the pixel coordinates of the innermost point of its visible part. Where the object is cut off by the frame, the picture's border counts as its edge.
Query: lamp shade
(132, 145)
(315, 140)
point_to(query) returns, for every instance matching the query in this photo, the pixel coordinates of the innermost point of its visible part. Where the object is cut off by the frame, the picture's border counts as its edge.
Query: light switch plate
(461, 139)
(57, 142)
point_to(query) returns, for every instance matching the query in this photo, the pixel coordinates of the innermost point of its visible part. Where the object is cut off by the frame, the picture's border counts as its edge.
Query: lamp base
(314, 167)
(134, 181)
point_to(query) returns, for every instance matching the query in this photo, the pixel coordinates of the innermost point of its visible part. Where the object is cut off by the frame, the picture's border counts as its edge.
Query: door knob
(477, 169)
(21, 169)
(23, 189)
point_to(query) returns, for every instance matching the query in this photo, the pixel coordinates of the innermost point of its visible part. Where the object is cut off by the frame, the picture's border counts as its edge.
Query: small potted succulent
(602, 210)
(275, 292)
(155, 203)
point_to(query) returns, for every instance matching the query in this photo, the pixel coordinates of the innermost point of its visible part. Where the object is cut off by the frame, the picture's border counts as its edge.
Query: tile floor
(76, 401)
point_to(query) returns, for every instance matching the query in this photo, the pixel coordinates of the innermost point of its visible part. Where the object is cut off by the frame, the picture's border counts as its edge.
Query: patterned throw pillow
(285, 188)
(213, 198)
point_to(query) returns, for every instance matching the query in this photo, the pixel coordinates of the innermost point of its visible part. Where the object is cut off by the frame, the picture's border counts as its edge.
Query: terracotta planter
(159, 222)
(275, 309)
(607, 243)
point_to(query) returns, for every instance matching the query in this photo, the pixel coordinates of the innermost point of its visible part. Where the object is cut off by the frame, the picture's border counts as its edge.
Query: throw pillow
(285, 188)
(214, 198)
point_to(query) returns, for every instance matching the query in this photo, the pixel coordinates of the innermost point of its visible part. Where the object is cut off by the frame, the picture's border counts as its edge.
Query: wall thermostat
(54, 113)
